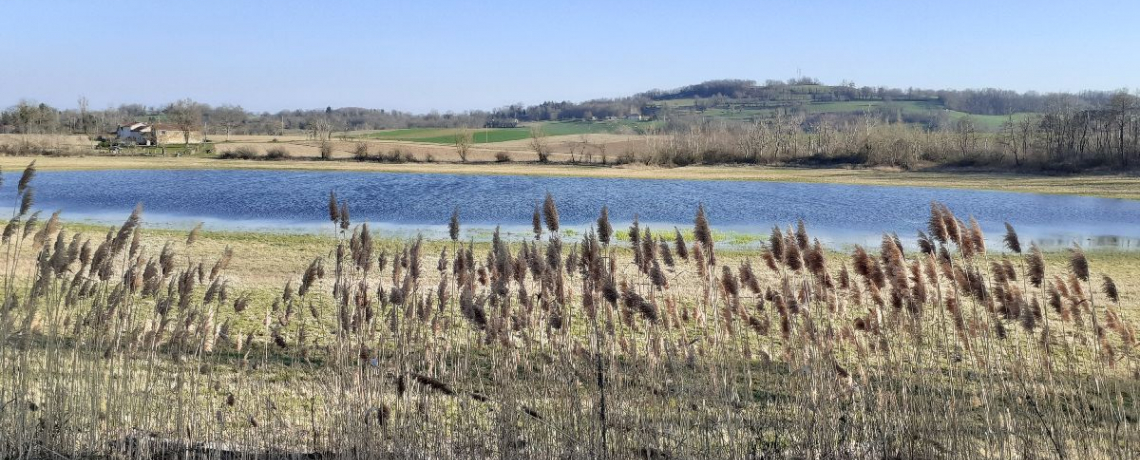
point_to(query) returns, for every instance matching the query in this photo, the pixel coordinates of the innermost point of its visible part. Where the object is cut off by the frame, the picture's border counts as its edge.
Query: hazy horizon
(452, 56)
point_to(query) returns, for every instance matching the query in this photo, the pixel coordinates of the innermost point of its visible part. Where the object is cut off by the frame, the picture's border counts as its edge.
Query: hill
(746, 100)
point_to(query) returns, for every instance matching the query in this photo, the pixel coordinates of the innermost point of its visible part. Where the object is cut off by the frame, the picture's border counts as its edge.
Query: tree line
(1062, 130)
(1067, 135)
(795, 93)
(29, 117)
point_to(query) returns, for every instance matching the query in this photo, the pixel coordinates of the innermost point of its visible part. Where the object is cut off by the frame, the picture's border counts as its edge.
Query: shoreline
(264, 262)
(1116, 186)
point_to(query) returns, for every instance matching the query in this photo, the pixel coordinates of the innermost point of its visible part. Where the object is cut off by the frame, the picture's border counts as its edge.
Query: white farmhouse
(153, 134)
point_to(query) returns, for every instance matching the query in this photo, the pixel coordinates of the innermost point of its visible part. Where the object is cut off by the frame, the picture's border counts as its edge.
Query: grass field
(493, 135)
(737, 111)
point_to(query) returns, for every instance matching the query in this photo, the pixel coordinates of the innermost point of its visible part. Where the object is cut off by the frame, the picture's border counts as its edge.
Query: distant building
(502, 123)
(154, 134)
(135, 133)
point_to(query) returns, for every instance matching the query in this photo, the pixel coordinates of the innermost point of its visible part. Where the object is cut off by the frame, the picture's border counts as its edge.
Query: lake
(404, 204)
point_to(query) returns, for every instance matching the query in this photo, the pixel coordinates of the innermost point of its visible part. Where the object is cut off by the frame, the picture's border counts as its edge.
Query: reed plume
(729, 282)
(194, 233)
(26, 177)
(126, 230)
(977, 238)
(703, 234)
(453, 225)
(1036, 265)
(26, 201)
(793, 258)
(334, 208)
(657, 277)
(679, 244)
(954, 226)
(1109, 288)
(925, 244)
(1078, 263)
(802, 239)
(666, 253)
(536, 222)
(634, 302)
(312, 274)
(550, 213)
(815, 260)
(748, 277)
(345, 220)
(937, 224)
(605, 230)
(1011, 240)
(776, 243)
(10, 229)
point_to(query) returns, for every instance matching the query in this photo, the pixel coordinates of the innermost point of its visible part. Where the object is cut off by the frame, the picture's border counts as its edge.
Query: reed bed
(543, 347)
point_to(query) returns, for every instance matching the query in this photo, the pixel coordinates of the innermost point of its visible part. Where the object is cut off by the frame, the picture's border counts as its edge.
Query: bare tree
(463, 141)
(229, 117)
(538, 144)
(321, 128)
(1121, 106)
(1008, 137)
(186, 115)
(966, 131)
(84, 126)
(1026, 129)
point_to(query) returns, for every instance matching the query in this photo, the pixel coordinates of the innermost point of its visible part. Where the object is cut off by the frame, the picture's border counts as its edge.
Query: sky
(456, 55)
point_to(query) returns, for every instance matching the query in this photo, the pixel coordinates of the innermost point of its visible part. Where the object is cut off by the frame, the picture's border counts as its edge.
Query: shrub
(626, 157)
(360, 151)
(393, 156)
(326, 150)
(241, 153)
(502, 157)
(277, 153)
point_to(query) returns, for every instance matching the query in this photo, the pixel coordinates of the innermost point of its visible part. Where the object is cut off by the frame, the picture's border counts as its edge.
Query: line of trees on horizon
(1061, 130)
(790, 96)
(29, 117)
(1068, 136)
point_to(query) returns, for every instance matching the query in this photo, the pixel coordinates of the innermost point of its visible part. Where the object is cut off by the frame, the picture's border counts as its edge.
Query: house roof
(134, 126)
(140, 127)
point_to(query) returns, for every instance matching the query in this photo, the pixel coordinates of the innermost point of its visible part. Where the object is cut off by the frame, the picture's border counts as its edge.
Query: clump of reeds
(560, 348)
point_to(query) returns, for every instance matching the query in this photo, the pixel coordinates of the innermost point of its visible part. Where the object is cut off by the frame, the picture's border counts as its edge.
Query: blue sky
(457, 55)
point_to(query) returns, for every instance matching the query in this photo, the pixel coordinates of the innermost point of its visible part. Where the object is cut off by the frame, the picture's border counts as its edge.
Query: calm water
(405, 203)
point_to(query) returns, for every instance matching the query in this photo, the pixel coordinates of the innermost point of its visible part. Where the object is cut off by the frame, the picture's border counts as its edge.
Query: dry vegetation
(585, 148)
(124, 345)
(58, 144)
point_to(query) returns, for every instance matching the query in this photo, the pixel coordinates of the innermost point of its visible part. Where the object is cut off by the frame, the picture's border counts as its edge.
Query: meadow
(493, 135)
(134, 343)
(745, 111)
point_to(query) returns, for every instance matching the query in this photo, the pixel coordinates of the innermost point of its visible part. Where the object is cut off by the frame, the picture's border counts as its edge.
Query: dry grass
(153, 344)
(73, 140)
(68, 144)
(562, 147)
